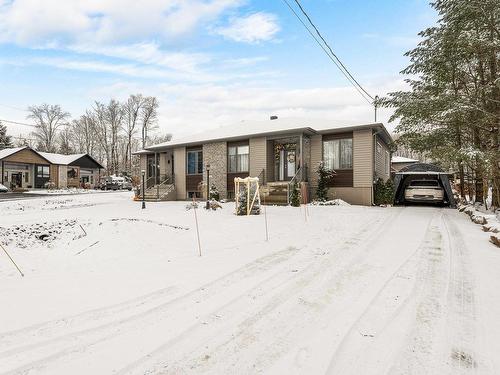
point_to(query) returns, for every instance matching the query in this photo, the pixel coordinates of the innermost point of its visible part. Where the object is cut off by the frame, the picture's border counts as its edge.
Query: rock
(495, 240)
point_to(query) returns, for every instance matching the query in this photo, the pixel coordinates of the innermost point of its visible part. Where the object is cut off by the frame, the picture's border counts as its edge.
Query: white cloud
(95, 21)
(147, 53)
(186, 109)
(253, 28)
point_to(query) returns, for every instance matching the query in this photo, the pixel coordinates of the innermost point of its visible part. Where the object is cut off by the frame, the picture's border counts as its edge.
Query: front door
(287, 164)
(17, 179)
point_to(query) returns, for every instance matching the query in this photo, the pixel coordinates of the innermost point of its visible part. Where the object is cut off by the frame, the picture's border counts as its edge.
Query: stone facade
(63, 176)
(215, 154)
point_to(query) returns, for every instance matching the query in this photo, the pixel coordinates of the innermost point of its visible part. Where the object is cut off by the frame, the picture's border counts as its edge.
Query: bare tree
(48, 119)
(66, 141)
(114, 113)
(99, 116)
(149, 117)
(132, 108)
(159, 138)
(84, 133)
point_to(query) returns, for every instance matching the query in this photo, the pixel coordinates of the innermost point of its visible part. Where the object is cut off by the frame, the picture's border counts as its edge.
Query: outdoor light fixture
(143, 172)
(208, 186)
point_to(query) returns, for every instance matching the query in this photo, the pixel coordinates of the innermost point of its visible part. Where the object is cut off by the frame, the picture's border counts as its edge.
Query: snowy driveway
(350, 290)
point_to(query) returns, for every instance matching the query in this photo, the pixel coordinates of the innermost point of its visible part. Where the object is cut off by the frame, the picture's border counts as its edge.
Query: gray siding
(180, 172)
(257, 156)
(316, 158)
(382, 160)
(362, 158)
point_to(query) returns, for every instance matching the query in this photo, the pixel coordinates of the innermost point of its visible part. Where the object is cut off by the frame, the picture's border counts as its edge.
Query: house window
(72, 173)
(42, 171)
(195, 162)
(238, 158)
(379, 148)
(337, 153)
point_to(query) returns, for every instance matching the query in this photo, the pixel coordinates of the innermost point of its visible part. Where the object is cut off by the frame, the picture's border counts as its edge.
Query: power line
(331, 55)
(18, 123)
(12, 107)
(330, 49)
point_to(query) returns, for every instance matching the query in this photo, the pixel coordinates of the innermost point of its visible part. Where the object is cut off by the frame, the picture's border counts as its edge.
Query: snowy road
(351, 291)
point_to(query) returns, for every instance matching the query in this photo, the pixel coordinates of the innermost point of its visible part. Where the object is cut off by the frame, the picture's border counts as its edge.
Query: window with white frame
(195, 162)
(337, 153)
(237, 158)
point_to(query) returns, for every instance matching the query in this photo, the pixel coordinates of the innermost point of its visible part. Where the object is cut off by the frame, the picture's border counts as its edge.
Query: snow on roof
(401, 159)
(60, 158)
(9, 151)
(257, 127)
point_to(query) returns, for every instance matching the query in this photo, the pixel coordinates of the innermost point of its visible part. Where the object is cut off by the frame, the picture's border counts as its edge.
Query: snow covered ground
(113, 289)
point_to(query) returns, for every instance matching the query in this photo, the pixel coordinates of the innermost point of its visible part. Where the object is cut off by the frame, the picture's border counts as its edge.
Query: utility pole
(375, 105)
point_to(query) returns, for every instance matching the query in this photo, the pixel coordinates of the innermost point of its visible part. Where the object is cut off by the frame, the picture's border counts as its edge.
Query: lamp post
(143, 172)
(208, 186)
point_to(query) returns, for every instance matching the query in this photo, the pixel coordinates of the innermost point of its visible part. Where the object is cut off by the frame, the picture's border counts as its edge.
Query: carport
(421, 171)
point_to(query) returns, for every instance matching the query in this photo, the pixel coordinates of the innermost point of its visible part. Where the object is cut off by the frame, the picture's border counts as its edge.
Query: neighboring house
(23, 167)
(400, 162)
(277, 151)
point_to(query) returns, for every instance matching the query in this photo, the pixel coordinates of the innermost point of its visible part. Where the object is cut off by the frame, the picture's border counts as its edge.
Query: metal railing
(262, 177)
(160, 185)
(300, 176)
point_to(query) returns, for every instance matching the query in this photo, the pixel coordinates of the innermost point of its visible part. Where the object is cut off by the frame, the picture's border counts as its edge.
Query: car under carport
(420, 171)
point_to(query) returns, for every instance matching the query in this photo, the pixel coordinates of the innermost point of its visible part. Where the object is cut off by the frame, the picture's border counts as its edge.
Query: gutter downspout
(374, 144)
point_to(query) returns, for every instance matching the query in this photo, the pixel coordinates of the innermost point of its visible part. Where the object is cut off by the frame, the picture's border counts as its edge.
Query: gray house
(278, 151)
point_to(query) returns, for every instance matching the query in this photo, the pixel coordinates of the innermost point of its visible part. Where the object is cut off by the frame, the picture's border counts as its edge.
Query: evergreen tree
(214, 193)
(295, 196)
(325, 175)
(5, 140)
(452, 110)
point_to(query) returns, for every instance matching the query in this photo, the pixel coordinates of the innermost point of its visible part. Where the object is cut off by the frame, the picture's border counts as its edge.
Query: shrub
(214, 193)
(325, 175)
(295, 196)
(384, 192)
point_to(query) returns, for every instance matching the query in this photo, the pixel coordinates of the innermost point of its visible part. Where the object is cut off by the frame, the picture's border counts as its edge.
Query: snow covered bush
(214, 193)
(333, 202)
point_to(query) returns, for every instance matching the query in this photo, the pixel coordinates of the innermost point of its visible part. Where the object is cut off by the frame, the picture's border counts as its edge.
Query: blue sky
(210, 62)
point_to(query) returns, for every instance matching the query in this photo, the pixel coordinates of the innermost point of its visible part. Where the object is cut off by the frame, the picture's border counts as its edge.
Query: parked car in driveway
(124, 183)
(3, 189)
(108, 184)
(424, 191)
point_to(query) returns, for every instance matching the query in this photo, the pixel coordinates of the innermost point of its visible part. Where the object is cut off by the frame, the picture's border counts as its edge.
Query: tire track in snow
(244, 317)
(462, 308)
(101, 335)
(130, 314)
(364, 348)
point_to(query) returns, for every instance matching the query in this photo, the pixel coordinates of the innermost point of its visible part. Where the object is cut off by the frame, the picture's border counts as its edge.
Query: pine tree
(325, 175)
(295, 196)
(5, 140)
(452, 109)
(214, 193)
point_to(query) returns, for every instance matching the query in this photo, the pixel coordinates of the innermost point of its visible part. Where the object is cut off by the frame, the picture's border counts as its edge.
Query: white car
(424, 191)
(3, 189)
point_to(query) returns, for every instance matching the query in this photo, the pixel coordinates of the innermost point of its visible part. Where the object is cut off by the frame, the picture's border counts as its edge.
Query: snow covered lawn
(113, 289)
